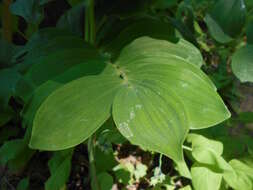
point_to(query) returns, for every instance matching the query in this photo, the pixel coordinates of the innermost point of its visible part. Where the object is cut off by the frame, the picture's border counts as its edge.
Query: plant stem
(92, 168)
(187, 148)
(6, 21)
(89, 36)
(92, 21)
(86, 26)
(90, 32)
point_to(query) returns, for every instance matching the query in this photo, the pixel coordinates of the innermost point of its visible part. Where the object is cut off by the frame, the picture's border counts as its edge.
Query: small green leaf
(199, 141)
(216, 31)
(60, 166)
(10, 149)
(242, 64)
(204, 178)
(105, 181)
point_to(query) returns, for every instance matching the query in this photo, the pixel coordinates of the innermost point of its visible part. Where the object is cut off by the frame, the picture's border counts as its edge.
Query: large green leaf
(155, 122)
(156, 92)
(33, 102)
(151, 61)
(242, 63)
(75, 111)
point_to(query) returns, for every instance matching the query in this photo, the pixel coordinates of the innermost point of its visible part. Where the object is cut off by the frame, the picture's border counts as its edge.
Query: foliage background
(221, 29)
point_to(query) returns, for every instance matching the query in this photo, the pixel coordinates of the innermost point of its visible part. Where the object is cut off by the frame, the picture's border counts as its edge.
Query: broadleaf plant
(117, 95)
(154, 91)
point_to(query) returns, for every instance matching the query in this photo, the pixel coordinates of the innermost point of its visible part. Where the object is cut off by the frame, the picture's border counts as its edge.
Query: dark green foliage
(117, 94)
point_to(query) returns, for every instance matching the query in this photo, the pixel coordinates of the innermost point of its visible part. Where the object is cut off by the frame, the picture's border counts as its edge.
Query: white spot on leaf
(138, 106)
(125, 130)
(132, 115)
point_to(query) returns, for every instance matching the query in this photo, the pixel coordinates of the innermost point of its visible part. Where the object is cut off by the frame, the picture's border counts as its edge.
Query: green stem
(92, 21)
(187, 148)
(90, 32)
(160, 161)
(89, 36)
(86, 26)
(92, 168)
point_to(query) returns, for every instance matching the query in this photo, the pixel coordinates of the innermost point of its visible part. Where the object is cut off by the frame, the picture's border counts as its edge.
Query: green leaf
(156, 63)
(199, 141)
(208, 152)
(15, 153)
(105, 181)
(137, 109)
(94, 93)
(230, 15)
(216, 31)
(30, 10)
(10, 149)
(146, 26)
(204, 178)
(43, 91)
(47, 67)
(73, 20)
(243, 178)
(242, 64)
(235, 173)
(43, 43)
(156, 94)
(23, 184)
(60, 166)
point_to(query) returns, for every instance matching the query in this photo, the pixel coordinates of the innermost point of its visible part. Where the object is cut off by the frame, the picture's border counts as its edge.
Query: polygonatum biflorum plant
(154, 91)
